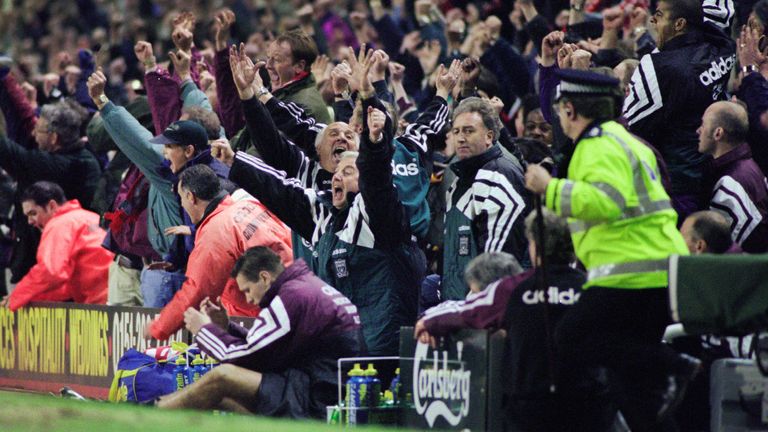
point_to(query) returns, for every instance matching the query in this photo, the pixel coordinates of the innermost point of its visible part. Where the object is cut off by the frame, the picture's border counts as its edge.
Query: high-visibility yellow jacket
(622, 222)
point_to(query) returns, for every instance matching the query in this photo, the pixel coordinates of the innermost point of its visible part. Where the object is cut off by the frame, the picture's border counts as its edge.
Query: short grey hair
(65, 118)
(557, 237)
(484, 109)
(489, 267)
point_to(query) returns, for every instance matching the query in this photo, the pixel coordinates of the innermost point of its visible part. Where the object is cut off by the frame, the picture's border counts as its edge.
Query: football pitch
(33, 412)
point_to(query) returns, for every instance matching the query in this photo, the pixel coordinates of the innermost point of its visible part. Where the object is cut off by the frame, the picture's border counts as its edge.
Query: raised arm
(273, 147)
(388, 221)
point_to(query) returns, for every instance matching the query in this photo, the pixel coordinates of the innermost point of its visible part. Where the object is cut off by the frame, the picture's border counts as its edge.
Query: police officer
(623, 229)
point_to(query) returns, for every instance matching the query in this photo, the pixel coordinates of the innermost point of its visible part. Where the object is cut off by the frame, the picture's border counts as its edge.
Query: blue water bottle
(394, 387)
(357, 394)
(374, 387)
(196, 370)
(180, 372)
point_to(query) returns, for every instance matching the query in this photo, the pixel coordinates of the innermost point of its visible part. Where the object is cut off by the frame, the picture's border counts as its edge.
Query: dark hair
(42, 192)
(714, 229)
(690, 10)
(761, 10)
(302, 47)
(205, 118)
(255, 260)
(557, 237)
(529, 103)
(201, 181)
(65, 118)
(488, 82)
(734, 121)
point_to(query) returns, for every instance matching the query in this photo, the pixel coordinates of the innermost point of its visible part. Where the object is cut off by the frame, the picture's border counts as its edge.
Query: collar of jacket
(705, 33)
(592, 130)
(302, 81)
(468, 167)
(297, 269)
(204, 157)
(212, 206)
(740, 152)
(68, 207)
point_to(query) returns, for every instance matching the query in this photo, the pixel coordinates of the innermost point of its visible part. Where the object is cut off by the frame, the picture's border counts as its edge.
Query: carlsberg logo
(439, 391)
(717, 70)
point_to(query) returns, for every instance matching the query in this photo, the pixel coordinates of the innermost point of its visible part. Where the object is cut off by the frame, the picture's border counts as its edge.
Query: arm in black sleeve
(537, 28)
(294, 122)
(390, 34)
(273, 147)
(432, 121)
(343, 110)
(22, 163)
(510, 69)
(382, 92)
(386, 214)
(285, 197)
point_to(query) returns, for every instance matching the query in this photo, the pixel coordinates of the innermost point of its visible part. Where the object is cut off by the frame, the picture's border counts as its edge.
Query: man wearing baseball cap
(624, 229)
(161, 159)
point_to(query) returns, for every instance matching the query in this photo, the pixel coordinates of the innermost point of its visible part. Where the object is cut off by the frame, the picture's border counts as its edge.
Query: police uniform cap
(585, 83)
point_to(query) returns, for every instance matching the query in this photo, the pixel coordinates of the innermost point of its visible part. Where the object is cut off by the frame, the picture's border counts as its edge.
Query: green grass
(30, 412)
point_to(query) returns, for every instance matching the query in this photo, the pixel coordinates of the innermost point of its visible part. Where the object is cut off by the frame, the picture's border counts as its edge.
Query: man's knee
(229, 376)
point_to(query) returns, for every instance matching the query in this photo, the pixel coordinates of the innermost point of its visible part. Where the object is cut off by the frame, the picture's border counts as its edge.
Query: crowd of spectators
(382, 142)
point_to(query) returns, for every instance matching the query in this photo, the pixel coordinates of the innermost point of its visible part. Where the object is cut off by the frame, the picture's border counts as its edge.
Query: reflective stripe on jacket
(622, 223)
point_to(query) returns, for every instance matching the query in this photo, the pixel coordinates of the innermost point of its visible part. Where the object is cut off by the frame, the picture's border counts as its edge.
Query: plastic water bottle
(394, 387)
(180, 373)
(374, 386)
(196, 370)
(357, 394)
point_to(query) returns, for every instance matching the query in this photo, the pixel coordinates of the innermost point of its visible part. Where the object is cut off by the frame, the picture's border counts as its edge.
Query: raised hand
(222, 23)
(581, 59)
(564, 56)
(144, 53)
(550, 45)
(361, 67)
(470, 72)
(380, 65)
(340, 77)
(447, 78)
(376, 122)
(221, 150)
(613, 19)
(748, 48)
(244, 72)
(637, 18)
(410, 42)
(182, 39)
(96, 84)
(182, 61)
(185, 20)
(320, 68)
(396, 72)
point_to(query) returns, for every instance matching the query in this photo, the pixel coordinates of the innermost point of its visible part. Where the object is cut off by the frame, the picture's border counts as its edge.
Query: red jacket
(222, 237)
(71, 264)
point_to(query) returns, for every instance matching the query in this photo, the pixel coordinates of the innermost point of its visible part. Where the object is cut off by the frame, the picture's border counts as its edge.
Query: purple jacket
(736, 186)
(303, 324)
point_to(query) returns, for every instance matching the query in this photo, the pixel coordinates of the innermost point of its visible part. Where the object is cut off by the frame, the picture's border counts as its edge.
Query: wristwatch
(261, 91)
(103, 100)
(748, 69)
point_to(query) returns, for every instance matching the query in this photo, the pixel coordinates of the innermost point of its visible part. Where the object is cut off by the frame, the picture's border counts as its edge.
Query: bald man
(733, 183)
(708, 232)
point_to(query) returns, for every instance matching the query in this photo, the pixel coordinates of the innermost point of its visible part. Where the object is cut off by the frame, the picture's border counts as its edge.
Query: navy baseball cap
(585, 83)
(183, 133)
